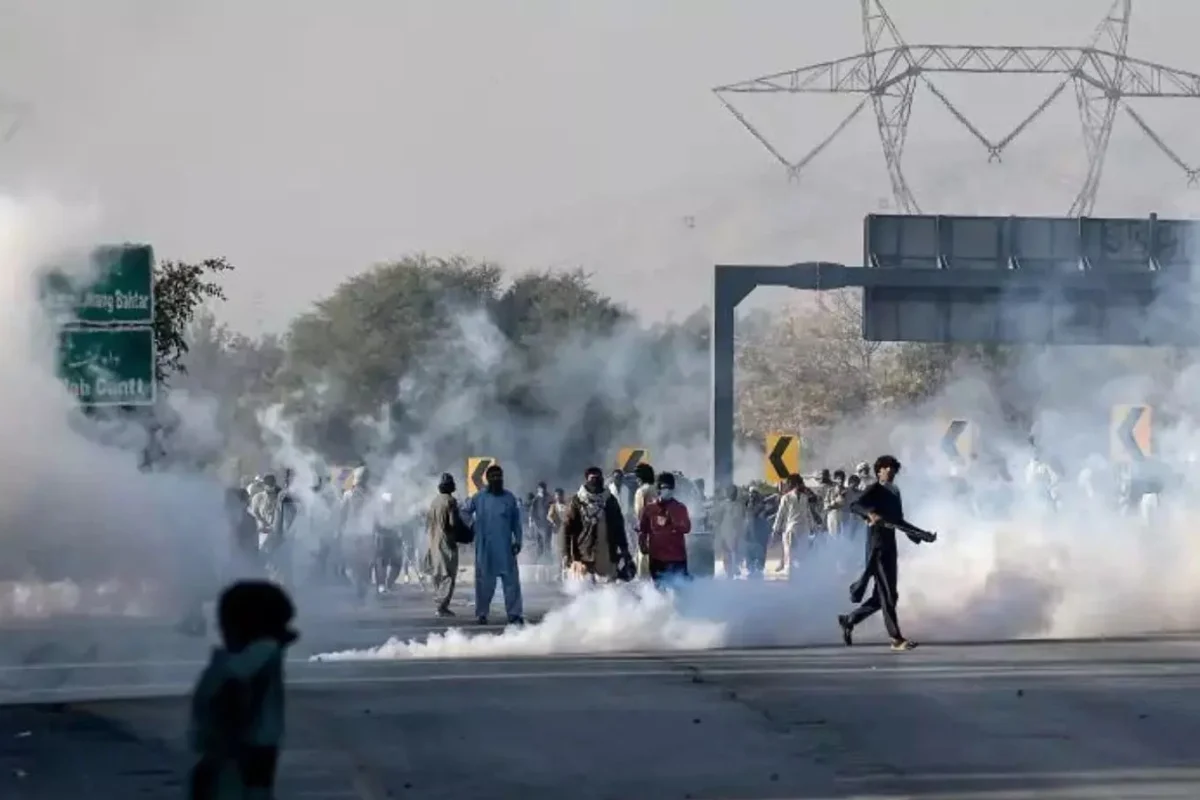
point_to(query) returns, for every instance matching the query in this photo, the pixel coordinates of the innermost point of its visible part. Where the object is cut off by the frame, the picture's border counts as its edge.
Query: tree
(914, 372)
(367, 335)
(806, 369)
(180, 289)
(543, 307)
(223, 362)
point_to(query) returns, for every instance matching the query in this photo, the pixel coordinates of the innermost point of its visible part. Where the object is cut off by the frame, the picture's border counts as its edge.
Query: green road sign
(121, 291)
(108, 366)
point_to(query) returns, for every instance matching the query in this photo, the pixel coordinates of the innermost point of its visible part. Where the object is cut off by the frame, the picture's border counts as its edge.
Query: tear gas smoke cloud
(81, 527)
(1080, 572)
(1006, 566)
(580, 400)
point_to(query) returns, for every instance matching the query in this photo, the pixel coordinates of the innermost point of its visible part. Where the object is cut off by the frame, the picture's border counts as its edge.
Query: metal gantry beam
(889, 70)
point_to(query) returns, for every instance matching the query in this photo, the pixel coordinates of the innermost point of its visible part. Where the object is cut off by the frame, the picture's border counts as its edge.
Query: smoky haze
(306, 144)
(538, 134)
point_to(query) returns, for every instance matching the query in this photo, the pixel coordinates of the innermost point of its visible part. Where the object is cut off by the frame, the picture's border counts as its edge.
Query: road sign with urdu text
(108, 366)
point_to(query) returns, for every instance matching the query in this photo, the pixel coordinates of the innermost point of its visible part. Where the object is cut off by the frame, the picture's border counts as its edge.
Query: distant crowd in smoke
(413, 367)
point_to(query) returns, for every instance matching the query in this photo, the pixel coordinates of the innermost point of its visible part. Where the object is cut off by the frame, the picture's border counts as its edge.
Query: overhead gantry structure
(887, 74)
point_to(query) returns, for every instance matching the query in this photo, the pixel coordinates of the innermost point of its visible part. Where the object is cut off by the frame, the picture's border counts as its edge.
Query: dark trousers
(388, 558)
(664, 573)
(756, 559)
(881, 569)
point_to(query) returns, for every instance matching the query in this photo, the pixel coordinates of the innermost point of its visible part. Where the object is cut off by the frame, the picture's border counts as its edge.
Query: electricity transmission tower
(890, 70)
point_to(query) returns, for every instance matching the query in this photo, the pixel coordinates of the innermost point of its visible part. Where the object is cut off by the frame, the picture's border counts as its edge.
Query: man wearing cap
(496, 520)
(446, 532)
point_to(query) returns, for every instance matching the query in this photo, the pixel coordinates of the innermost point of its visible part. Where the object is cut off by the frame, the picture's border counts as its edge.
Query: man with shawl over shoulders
(594, 532)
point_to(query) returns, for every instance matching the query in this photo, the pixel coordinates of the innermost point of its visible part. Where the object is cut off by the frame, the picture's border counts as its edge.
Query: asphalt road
(1110, 719)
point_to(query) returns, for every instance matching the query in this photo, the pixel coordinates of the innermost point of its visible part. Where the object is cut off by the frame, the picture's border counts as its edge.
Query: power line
(888, 72)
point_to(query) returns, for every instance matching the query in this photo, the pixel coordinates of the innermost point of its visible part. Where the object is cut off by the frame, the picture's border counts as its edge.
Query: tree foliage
(359, 352)
(373, 327)
(807, 369)
(390, 347)
(180, 288)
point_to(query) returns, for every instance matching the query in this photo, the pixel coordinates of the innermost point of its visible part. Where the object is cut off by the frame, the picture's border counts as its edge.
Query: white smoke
(604, 620)
(82, 528)
(1031, 576)
(1006, 566)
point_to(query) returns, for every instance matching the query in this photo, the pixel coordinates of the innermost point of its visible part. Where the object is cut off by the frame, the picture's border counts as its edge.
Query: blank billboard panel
(901, 241)
(969, 316)
(1176, 244)
(973, 242)
(1116, 245)
(902, 315)
(1047, 244)
(1044, 244)
(1031, 279)
(972, 317)
(1022, 317)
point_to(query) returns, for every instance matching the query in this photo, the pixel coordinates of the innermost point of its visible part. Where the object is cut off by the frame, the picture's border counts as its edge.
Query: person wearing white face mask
(661, 530)
(865, 476)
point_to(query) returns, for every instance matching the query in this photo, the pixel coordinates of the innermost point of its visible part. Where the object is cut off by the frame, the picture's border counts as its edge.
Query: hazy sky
(306, 140)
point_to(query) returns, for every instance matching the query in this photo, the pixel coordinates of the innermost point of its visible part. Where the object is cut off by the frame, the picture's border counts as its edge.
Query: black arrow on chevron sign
(635, 458)
(477, 476)
(776, 457)
(950, 439)
(1125, 432)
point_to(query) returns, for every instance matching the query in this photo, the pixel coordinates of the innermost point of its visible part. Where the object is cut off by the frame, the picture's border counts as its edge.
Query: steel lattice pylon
(889, 71)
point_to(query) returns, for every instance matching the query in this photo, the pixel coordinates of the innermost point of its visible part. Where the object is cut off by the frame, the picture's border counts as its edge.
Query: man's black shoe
(847, 629)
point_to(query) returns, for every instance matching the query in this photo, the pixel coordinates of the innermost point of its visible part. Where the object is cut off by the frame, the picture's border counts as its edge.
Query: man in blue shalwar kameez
(496, 519)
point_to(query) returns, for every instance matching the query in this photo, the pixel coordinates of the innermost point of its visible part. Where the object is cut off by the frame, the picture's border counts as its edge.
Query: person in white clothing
(645, 495)
(1043, 481)
(793, 520)
(835, 503)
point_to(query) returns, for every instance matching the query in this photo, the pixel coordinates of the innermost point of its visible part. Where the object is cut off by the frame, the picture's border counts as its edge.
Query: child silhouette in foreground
(237, 706)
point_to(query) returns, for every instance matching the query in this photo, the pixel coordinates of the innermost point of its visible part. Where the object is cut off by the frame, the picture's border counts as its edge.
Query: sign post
(783, 457)
(108, 366)
(1131, 433)
(476, 467)
(958, 440)
(122, 293)
(106, 352)
(628, 458)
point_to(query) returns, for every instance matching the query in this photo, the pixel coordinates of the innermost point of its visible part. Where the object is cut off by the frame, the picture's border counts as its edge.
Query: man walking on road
(793, 522)
(880, 504)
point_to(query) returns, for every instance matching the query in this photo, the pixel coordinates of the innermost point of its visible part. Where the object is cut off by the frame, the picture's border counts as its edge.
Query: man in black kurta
(883, 509)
